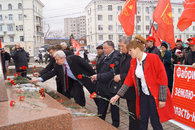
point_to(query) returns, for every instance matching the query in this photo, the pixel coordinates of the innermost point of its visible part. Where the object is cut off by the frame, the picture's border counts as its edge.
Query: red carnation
(112, 65)
(79, 76)
(93, 62)
(18, 74)
(35, 67)
(12, 82)
(21, 98)
(24, 67)
(60, 101)
(12, 103)
(20, 68)
(8, 79)
(93, 95)
(14, 74)
(33, 70)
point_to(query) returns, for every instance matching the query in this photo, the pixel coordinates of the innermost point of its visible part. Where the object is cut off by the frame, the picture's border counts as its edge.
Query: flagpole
(151, 28)
(151, 17)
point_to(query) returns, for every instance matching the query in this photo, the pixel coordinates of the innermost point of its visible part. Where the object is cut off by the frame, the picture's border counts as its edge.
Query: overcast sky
(56, 10)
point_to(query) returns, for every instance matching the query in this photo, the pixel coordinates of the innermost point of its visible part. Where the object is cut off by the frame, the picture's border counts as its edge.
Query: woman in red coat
(148, 75)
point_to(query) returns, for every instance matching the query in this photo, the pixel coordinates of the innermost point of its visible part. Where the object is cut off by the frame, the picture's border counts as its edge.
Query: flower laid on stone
(60, 101)
(18, 74)
(20, 68)
(15, 75)
(42, 92)
(8, 79)
(80, 76)
(21, 98)
(34, 68)
(94, 95)
(13, 82)
(12, 103)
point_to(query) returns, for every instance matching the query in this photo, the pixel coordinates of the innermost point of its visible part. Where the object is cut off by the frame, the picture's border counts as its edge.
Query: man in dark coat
(167, 64)
(130, 95)
(103, 77)
(151, 48)
(99, 57)
(5, 59)
(176, 53)
(190, 60)
(21, 59)
(75, 66)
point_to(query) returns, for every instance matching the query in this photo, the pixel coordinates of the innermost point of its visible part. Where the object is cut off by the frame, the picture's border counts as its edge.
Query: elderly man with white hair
(66, 49)
(68, 69)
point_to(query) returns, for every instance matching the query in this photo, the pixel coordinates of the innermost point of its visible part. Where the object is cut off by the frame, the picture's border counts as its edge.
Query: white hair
(63, 44)
(60, 53)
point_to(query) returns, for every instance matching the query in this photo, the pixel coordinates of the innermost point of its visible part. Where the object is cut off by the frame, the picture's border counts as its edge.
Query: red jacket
(155, 75)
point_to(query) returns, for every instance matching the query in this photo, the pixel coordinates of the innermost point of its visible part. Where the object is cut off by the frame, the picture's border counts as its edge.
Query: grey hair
(125, 39)
(110, 43)
(60, 53)
(63, 44)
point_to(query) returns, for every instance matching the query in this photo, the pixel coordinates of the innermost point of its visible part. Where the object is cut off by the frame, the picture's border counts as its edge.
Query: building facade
(21, 22)
(75, 26)
(102, 21)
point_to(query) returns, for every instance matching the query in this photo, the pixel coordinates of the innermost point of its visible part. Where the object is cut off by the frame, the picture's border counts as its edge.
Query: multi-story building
(75, 26)
(102, 21)
(21, 22)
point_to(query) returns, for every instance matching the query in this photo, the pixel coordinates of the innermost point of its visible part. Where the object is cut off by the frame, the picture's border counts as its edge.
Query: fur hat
(164, 44)
(140, 39)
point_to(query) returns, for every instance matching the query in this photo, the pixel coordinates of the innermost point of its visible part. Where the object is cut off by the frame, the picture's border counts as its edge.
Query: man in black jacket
(176, 53)
(151, 48)
(21, 58)
(75, 66)
(130, 95)
(103, 77)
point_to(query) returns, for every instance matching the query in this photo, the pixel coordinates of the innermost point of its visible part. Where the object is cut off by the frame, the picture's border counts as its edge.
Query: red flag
(157, 39)
(163, 17)
(127, 16)
(187, 17)
(0, 43)
(76, 45)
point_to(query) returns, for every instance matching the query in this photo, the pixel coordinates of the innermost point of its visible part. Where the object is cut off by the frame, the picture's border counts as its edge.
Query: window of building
(9, 6)
(147, 27)
(139, 27)
(10, 27)
(179, 36)
(109, 7)
(2, 39)
(147, 18)
(0, 7)
(1, 18)
(139, 10)
(147, 10)
(179, 10)
(110, 37)
(193, 28)
(19, 5)
(138, 19)
(1, 28)
(11, 39)
(10, 16)
(119, 8)
(172, 10)
(20, 27)
(120, 28)
(100, 18)
(110, 27)
(187, 36)
(20, 17)
(109, 17)
(22, 38)
(100, 27)
(99, 7)
(100, 37)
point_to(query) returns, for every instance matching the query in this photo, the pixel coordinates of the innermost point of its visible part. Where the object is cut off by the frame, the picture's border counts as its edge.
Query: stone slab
(51, 116)
(3, 91)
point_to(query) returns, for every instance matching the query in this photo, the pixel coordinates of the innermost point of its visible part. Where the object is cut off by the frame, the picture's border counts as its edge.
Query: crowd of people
(140, 72)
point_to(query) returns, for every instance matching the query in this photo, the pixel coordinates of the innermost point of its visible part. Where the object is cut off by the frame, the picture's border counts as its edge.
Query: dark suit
(77, 66)
(104, 76)
(130, 95)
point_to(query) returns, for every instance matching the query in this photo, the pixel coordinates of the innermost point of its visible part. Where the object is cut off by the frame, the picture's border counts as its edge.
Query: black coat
(20, 58)
(68, 52)
(105, 73)
(154, 50)
(124, 69)
(3, 63)
(190, 59)
(77, 66)
(49, 67)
